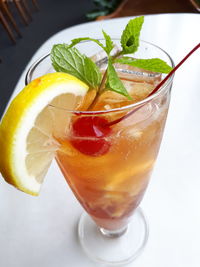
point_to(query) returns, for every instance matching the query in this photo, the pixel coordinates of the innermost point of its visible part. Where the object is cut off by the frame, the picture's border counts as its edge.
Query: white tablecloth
(42, 231)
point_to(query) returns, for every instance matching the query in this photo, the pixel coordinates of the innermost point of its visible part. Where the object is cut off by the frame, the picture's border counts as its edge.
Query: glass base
(115, 251)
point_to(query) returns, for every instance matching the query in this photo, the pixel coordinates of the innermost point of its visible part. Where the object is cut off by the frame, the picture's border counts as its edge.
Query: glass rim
(131, 106)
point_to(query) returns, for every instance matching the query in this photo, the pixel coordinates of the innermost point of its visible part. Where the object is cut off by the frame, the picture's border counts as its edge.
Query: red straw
(157, 87)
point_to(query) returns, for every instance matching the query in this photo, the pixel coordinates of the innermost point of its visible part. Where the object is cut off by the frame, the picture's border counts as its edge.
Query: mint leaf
(78, 40)
(131, 34)
(71, 61)
(92, 72)
(153, 64)
(114, 83)
(109, 43)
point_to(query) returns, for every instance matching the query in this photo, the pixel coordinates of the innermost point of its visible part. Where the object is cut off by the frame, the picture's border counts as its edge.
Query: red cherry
(88, 135)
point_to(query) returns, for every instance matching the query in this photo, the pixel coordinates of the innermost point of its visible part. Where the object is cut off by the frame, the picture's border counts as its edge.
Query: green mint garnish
(153, 64)
(66, 58)
(109, 44)
(131, 35)
(70, 60)
(114, 83)
(79, 40)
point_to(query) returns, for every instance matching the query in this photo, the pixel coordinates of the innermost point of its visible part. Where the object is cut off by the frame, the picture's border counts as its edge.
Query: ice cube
(111, 99)
(133, 133)
(101, 58)
(125, 71)
(131, 73)
(138, 89)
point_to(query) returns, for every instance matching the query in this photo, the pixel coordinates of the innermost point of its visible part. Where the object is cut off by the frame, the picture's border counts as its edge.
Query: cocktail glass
(109, 172)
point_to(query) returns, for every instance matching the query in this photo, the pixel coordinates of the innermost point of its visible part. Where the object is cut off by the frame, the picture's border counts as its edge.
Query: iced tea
(110, 185)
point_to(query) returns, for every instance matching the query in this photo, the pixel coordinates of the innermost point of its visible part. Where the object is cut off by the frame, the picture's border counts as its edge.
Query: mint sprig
(66, 58)
(107, 48)
(70, 60)
(153, 64)
(81, 39)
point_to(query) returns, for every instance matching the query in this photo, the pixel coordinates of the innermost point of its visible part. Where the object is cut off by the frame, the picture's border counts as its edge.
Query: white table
(41, 231)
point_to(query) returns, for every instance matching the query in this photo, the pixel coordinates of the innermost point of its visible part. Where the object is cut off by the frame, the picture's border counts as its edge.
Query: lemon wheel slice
(26, 143)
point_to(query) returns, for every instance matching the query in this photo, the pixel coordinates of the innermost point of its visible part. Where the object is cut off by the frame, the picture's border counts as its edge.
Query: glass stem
(113, 233)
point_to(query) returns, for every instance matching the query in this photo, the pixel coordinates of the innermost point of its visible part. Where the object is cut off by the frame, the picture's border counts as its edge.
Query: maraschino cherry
(89, 135)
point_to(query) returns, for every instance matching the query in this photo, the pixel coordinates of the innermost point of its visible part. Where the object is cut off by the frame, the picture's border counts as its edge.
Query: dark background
(53, 16)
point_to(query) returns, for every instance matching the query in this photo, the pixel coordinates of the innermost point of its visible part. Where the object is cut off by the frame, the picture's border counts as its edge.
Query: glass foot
(113, 251)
